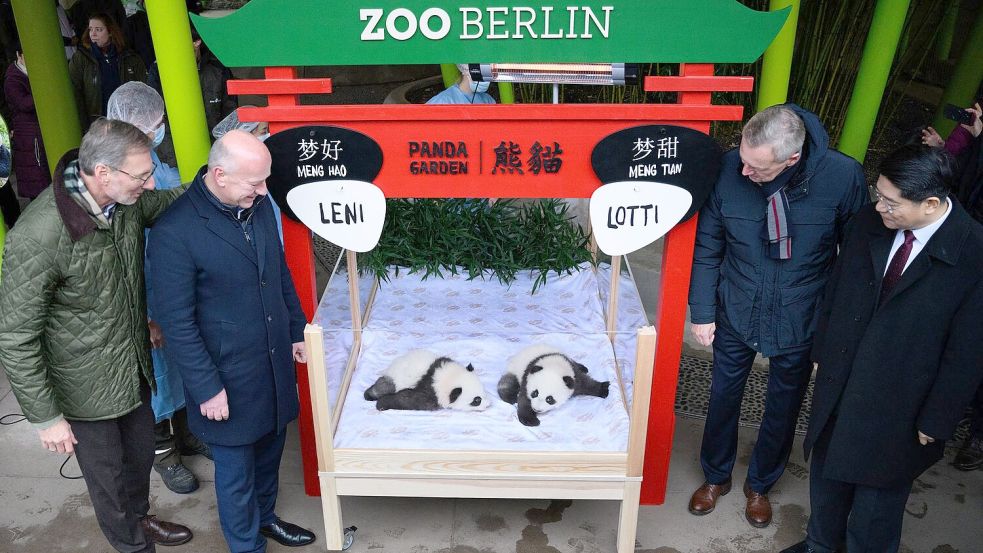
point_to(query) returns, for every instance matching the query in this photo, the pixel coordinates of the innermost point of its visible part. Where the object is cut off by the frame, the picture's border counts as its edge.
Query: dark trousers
(9, 206)
(976, 417)
(788, 378)
(866, 519)
(246, 484)
(170, 435)
(115, 457)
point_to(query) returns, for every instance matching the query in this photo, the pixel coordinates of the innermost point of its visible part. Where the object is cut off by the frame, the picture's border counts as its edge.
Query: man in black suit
(899, 353)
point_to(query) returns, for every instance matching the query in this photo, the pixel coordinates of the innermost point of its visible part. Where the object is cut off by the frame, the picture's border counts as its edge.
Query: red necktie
(894, 270)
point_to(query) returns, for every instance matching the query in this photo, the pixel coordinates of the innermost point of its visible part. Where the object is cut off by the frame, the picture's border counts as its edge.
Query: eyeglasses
(878, 197)
(142, 180)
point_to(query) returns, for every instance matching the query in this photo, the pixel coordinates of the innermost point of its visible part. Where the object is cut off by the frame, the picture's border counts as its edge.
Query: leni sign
(347, 213)
(317, 32)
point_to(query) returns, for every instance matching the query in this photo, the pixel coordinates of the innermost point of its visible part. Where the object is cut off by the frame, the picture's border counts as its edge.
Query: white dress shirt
(922, 235)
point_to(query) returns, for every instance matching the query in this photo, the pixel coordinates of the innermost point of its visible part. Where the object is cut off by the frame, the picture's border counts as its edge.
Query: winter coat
(732, 272)
(229, 313)
(86, 80)
(911, 364)
(73, 318)
(214, 89)
(30, 161)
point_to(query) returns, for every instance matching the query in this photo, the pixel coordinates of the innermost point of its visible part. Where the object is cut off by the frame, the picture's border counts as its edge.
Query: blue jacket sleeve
(855, 198)
(174, 278)
(707, 257)
(4, 162)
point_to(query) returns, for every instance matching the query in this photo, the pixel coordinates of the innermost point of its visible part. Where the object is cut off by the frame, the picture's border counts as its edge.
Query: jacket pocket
(228, 352)
(797, 317)
(813, 232)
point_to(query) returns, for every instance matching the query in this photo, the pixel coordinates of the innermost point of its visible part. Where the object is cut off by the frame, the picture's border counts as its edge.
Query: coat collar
(945, 246)
(76, 220)
(219, 223)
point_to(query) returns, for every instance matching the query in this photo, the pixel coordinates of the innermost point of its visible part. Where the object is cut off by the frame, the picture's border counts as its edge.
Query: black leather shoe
(801, 547)
(287, 534)
(162, 532)
(970, 455)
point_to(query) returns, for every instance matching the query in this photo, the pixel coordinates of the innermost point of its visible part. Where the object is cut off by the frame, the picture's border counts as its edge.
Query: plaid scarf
(78, 192)
(779, 238)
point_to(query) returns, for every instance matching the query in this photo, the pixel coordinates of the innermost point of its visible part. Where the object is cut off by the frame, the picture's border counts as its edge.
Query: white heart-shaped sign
(348, 213)
(629, 215)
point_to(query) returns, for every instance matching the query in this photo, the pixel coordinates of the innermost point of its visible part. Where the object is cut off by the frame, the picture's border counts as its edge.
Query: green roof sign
(391, 32)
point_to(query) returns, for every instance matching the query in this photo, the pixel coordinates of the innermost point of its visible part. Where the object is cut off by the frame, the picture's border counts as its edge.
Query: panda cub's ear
(470, 368)
(455, 393)
(535, 369)
(568, 380)
(580, 367)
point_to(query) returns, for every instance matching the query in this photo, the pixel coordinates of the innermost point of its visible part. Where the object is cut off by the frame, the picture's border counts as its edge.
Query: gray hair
(778, 127)
(110, 142)
(137, 104)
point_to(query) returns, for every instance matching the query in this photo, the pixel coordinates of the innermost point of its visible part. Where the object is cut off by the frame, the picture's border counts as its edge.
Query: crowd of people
(142, 319)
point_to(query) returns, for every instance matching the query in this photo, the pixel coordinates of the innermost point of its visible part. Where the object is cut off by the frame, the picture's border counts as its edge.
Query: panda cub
(422, 381)
(540, 379)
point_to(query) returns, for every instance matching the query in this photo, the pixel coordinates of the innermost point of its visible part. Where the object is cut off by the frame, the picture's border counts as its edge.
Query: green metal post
(506, 93)
(965, 79)
(44, 53)
(777, 64)
(875, 66)
(171, 33)
(943, 45)
(450, 73)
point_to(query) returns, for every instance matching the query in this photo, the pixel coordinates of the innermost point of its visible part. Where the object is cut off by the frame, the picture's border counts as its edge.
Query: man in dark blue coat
(233, 325)
(899, 353)
(765, 244)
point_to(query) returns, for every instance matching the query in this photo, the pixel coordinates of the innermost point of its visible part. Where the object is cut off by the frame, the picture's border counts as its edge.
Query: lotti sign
(311, 32)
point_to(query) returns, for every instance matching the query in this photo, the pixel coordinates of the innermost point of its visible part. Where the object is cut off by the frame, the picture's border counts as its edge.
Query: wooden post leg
(334, 533)
(628, 517)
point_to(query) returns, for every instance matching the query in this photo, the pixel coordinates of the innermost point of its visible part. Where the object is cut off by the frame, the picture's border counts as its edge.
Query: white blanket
(483, 323)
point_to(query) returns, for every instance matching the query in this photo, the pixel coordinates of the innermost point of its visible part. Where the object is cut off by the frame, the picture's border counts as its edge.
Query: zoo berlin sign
(377, 32)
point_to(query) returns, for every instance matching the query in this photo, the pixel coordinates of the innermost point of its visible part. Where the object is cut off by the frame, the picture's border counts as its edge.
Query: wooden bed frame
(476, 473)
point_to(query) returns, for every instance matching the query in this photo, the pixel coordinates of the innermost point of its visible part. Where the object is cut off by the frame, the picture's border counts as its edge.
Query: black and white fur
(540, 378)
(422, 381)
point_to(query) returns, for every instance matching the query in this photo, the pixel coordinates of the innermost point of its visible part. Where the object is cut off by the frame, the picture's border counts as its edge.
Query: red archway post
(677, 264)
(584, 125)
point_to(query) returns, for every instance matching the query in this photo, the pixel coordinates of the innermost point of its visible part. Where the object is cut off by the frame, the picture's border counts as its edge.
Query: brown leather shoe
(758, 509)
(705, 497)
(162, 532)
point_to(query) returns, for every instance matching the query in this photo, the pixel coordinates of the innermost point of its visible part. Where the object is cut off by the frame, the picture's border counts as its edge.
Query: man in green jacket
(73, 325)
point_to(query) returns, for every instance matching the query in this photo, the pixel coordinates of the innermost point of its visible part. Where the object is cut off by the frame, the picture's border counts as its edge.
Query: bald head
(238, 165)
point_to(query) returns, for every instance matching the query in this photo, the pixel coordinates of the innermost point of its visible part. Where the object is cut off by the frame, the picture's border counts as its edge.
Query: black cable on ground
(61, 469)
(17, 417)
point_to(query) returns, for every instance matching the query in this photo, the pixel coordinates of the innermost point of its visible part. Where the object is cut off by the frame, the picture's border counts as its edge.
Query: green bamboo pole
(171, 33)
(966, 78)
(875, 66)
(777, 65)
(943, 45)
(44, 53)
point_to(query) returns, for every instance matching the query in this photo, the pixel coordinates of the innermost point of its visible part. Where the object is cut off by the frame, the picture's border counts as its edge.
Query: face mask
(263, 137)
(158, 136)
(480, 87)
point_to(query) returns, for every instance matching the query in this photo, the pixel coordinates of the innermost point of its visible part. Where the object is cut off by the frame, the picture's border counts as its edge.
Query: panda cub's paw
(528, 417)
(508, 388)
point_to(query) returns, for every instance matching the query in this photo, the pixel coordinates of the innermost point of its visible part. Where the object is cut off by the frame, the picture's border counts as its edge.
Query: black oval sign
(319, 153)
(669, 154)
